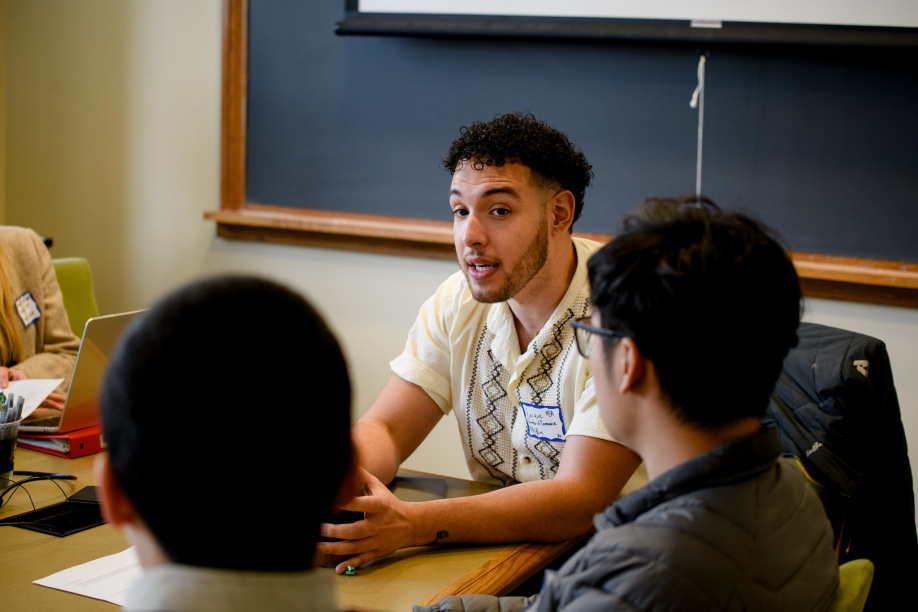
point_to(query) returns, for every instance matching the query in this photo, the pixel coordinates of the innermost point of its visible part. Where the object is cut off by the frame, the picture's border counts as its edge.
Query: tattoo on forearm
(441, 535)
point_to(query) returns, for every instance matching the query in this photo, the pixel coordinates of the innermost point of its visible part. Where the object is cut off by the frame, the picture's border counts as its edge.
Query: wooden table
(425, 574)
(409, 576)
(28, 555)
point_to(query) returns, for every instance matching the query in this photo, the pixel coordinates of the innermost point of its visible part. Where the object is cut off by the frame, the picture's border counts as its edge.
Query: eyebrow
(495, 191)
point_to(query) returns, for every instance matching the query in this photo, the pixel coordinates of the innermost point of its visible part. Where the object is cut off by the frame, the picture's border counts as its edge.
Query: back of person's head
(226, 409)
(711, 298)
(521, 138)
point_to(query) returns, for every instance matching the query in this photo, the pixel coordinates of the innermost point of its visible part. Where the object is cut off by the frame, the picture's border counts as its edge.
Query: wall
(112, 148)
(2, 113)
(112, 117)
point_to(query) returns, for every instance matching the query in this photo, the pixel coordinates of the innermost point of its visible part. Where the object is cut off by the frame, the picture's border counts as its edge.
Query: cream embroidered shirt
(514, 410)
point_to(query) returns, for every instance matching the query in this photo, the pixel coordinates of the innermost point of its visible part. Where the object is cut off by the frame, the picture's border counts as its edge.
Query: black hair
(521, 138)
(187, 406)
(710, 297)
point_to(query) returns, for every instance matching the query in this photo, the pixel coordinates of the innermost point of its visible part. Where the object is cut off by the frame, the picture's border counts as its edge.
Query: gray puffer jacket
(732, 529)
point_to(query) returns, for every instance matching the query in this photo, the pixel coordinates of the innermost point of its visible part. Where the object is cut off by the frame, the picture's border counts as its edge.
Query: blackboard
(822, 144)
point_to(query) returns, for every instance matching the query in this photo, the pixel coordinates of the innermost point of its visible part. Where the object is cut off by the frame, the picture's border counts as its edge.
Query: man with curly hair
(694, 310)
(494, 347)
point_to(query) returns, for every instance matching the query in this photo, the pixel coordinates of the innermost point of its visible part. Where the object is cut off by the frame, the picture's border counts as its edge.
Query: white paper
(60, 445)
(33, 390)
(107, 578)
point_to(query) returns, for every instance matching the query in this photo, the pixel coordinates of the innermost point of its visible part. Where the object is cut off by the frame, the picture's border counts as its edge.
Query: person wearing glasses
(493, 346)
(693, 311)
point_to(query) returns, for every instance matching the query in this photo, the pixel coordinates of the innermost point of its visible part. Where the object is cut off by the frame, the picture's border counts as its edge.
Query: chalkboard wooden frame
(825, 276)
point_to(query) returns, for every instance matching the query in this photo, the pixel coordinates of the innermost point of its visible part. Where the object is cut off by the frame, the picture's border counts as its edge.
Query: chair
(836, 410)
(854, 579)
(75, 280)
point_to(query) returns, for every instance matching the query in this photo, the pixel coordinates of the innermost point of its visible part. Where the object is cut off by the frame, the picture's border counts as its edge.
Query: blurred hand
(386, 527)
(8, 374)
(54, 400)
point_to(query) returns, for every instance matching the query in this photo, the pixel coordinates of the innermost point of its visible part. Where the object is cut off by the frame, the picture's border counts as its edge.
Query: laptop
(81, 408)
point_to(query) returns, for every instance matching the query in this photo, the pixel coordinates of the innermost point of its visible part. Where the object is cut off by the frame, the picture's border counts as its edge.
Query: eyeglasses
(583, 332)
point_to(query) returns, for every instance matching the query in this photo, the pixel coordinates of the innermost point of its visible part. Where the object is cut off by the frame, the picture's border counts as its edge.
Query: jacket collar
(724, 465)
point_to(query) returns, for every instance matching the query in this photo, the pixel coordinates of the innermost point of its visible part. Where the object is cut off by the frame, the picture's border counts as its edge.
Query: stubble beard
(532, 261)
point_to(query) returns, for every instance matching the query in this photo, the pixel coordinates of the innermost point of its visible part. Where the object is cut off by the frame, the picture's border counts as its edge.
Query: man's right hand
(386, 527)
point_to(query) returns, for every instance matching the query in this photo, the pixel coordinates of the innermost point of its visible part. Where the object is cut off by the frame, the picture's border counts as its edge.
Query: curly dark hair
(521, 138)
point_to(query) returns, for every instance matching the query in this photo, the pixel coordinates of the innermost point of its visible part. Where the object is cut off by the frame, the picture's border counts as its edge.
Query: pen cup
(9, 432)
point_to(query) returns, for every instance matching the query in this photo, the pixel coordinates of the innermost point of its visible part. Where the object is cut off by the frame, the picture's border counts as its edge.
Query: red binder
(69, 445)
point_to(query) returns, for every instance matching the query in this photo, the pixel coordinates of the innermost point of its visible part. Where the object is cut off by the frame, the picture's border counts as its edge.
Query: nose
(472, 231)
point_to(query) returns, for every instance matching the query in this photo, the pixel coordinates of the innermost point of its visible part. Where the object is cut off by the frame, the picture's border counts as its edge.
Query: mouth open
(480, 271)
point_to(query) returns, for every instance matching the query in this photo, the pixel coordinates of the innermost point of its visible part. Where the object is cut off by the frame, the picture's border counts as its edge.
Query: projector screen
(876, 13)
(876, 23)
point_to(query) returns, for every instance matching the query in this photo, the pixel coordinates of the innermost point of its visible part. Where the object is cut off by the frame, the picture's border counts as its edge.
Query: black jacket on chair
(836, 410)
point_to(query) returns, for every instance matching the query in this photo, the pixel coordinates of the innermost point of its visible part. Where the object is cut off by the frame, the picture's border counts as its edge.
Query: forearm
(374, 449)
(393, 427)
(592, 474)
(537, 511)
(541, 511)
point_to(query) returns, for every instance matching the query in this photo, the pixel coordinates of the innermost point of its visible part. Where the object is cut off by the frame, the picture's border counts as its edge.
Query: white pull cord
(698, 102)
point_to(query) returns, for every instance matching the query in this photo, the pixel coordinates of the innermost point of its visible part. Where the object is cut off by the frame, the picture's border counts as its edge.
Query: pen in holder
(10, 415)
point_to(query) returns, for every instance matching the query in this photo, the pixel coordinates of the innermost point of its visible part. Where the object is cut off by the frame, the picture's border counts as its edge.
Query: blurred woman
(35, 336)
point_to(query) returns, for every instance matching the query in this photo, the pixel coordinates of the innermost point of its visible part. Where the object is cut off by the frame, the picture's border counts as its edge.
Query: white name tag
(28, 308)
(544, 422)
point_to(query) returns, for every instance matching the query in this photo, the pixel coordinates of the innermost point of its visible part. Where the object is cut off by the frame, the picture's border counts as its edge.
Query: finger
(376, 501)
(50, 403)
(327, 550)
(364, 503)
(334, 551)
(4, 377)
(356, 562)
(17, 375)
(347, 506)
(347, 531)
(54, 400)
(350, 547)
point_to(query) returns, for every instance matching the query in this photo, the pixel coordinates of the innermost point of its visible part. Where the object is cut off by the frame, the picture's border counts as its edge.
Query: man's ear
(117, 509)
(562, 206)
(633, 366)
